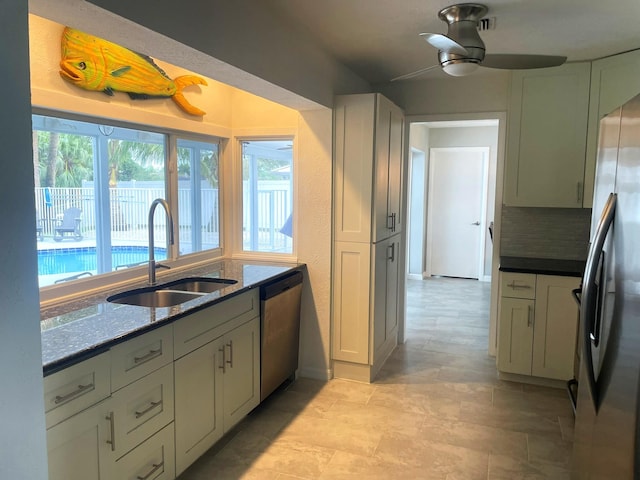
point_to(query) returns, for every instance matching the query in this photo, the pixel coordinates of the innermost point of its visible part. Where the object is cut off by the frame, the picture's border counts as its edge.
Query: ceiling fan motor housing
(462, 21)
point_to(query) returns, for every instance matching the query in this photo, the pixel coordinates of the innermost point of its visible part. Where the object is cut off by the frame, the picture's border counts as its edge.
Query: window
(93, 188)
(198, 196)
(267, 187)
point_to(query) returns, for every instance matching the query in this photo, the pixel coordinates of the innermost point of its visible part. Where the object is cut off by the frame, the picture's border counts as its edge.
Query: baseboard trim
(315, 373)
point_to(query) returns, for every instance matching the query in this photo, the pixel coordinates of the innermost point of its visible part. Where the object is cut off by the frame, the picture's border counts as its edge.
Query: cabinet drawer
(140, 356)
(199, 328)
(518, 285)
(153, 460)
(142, 408)
(76, 388)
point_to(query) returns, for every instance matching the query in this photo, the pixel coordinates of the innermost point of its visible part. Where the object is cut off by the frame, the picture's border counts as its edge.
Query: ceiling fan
(461, 50)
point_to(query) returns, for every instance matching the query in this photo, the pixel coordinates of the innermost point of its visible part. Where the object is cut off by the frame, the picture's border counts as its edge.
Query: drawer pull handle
(156, 467)
(514, 285)
(112, 430)
(148, 356)
(151, 406)
(81, 388)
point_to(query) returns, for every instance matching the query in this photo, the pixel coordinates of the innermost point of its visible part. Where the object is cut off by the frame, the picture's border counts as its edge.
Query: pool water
(75, 260)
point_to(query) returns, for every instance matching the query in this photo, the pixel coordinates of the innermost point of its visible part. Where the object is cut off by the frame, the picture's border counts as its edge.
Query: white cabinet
(80, 448)
(216, 382)
(92, 439)
(365, 307)
(198, 400)
(152, 460)
(614, 81)
(368, 168)
(112, 416)
(73, 389)
(368, 221)
(546, 142)
(385, 295)
(538, 322)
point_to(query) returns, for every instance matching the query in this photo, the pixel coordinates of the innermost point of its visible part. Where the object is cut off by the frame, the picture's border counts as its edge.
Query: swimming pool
(76, 260)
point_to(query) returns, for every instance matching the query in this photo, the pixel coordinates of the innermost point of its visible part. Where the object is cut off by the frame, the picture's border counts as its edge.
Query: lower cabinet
(216, 386)
(538, 324)
(150, 406)
(152, 460)
(365, 306)
(80, 448)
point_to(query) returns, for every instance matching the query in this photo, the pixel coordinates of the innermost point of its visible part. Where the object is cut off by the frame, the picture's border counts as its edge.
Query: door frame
(495, 262)
(412, 230)
(483, 209)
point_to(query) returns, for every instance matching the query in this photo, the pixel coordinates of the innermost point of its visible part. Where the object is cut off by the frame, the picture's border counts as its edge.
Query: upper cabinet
(614, 81)
(368, 160)
(547, 133)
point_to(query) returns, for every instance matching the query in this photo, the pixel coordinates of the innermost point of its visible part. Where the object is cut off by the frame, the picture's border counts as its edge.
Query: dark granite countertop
(543, 266)
(76, 330)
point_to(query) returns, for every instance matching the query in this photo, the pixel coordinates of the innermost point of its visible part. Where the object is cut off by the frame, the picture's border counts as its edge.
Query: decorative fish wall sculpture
(96, 64)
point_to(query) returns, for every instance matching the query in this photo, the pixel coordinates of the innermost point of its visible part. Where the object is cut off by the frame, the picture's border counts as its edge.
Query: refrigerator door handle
(588, 304)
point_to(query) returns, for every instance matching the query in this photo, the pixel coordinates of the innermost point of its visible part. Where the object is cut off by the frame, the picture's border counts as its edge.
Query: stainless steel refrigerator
(607, 428)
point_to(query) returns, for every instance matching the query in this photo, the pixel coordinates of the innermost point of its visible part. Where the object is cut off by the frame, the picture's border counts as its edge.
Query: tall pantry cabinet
(368, 250)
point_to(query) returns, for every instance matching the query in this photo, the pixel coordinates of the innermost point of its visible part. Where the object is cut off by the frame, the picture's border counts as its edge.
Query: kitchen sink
(171, 293)
(153, 298)
(200, 284)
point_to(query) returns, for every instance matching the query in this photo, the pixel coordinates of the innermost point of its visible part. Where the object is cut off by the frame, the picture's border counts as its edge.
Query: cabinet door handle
(390, 222)
(391, 248)
(148, 356)
(230, 361)
(394, 222)
(112, 430)
(222, 366)
(529, 311)
(579, 192)
(151, 406)
(156, 467)
(514, 285)
(81, 388)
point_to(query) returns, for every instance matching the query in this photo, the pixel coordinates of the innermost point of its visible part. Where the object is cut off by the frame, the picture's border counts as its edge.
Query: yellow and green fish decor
(96, 64)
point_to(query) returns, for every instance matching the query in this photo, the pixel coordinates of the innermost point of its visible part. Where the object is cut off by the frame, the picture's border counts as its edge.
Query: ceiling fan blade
(414, 74)
(518, 62)
(444, 43)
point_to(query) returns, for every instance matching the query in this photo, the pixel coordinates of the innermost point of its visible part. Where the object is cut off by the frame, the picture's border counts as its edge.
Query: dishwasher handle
(280, 285)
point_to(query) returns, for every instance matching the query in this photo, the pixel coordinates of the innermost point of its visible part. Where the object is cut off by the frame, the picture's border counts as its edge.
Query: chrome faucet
(152, 262)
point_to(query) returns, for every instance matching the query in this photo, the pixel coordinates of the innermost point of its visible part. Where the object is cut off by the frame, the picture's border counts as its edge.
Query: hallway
(436, 412)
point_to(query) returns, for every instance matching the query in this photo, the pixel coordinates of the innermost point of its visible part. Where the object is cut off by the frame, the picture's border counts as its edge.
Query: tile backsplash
(545, 232)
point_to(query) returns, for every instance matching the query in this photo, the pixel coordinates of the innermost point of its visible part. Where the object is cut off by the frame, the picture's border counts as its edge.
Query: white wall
(485, 92)
(22, 432)
(241, 43)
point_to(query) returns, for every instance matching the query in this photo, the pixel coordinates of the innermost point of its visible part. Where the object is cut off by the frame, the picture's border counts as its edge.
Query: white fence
(129, 210)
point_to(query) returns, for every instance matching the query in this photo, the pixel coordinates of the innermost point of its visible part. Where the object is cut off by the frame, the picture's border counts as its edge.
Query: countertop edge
(542, 266)
(172, 315)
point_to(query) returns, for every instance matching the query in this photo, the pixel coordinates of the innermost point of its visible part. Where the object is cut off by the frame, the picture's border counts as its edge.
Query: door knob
(476, 223)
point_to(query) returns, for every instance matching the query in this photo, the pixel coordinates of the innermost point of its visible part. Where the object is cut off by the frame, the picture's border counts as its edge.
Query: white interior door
(456, 214)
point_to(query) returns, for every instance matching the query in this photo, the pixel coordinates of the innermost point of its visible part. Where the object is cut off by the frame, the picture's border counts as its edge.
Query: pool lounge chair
(39, 228)
(70, 223)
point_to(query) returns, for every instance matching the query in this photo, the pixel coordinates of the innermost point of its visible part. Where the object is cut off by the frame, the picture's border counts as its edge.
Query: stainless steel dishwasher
(279, 331)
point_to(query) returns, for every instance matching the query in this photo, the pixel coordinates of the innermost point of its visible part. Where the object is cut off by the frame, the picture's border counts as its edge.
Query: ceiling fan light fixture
(460, 69)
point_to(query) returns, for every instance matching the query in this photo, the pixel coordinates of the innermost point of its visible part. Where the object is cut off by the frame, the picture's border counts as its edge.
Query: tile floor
(437, 411)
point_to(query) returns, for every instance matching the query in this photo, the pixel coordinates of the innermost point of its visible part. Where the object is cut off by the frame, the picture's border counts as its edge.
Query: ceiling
(378, 39)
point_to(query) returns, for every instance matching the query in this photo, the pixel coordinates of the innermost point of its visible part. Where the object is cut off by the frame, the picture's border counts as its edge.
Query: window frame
(53, 294)
(238, 245)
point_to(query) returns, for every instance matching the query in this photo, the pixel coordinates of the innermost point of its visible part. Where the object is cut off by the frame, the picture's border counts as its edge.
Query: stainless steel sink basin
(153, 298)
(200, 284)
(171, 293)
